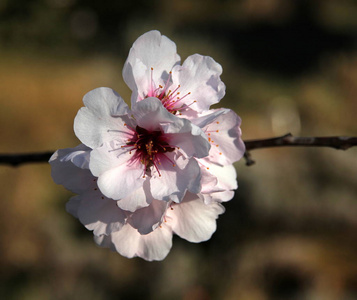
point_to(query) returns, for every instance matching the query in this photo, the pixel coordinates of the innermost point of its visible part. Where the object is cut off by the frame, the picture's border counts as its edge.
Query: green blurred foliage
(290, 232)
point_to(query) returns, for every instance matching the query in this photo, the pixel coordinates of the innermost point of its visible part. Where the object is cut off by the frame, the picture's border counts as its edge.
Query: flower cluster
(162, 167)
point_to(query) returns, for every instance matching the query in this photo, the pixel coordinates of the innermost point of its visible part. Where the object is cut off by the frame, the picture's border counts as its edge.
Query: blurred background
(289, 66)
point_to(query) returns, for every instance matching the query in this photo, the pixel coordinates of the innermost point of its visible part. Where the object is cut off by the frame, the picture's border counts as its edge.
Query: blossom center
(150, 147)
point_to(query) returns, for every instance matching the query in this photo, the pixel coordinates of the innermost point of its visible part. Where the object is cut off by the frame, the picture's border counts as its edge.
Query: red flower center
(150, 147)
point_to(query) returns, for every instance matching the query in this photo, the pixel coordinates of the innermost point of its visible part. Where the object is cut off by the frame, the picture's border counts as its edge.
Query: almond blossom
(162, 167)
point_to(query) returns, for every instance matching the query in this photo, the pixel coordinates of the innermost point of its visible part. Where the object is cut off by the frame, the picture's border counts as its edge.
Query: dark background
(289, 66)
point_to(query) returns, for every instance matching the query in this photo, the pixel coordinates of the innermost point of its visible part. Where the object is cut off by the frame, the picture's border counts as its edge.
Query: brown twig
(287, 140)
(19, 159)
(337, 142)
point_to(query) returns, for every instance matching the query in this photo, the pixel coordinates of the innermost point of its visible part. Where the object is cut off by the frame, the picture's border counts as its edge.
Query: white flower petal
(151, 50)
(104, 241)
(225, 136)
(102, 118)
(217, 197)
(150, 114)
(137, 199)
(100, 214)
(119, 182)
(225, 177)
(190, 138)
(108, 156)
(208, 180)
(194, 220)
(200, 76)
(65, 172)
(209, 116)
(130, 243)
(147, 219)
(119, 173)
(175, 180)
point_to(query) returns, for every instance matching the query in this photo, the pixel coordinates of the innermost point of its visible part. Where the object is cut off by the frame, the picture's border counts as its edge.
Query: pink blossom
(159, 168)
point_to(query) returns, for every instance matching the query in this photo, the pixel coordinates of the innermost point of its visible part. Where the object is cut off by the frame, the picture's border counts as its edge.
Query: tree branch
(19, 159)
(287, 140)
(337, 142)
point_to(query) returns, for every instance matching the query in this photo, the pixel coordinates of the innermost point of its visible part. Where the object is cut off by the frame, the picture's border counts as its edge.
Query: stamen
(132, 129)
(173, 164)
(157, 169)
(184, 107)
(166, 85)
(121, 148)
(174, 102)
(151, 83)
(178, 93)
(119, 131)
